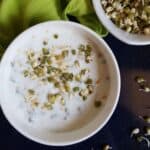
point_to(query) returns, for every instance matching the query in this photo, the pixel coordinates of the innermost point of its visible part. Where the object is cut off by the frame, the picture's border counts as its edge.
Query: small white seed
(147, 131)
(135, 132)
(107, 147)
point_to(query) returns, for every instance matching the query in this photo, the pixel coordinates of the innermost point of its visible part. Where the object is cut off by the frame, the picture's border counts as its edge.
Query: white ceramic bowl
(128, 38)
(67, 137)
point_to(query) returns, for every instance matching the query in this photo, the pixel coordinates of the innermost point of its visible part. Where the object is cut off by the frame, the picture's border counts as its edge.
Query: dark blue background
(133, 60)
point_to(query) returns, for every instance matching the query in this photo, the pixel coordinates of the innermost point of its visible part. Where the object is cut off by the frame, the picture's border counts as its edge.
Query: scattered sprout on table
(144, 88)
(143, 84)
(26, 73)
(147, 131)
(140, 79)
(145, 118)
(106, 147)
(140, 137)
(143, 139)
(89, 81)
(135, 132)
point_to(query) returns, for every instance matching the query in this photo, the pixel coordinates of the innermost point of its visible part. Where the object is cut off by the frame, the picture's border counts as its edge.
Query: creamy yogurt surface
(57, 100)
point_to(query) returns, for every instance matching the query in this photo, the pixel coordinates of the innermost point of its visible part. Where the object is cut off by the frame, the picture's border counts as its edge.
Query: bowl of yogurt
(60, 83)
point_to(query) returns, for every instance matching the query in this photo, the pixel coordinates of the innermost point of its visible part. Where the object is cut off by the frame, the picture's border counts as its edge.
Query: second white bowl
(128, 38)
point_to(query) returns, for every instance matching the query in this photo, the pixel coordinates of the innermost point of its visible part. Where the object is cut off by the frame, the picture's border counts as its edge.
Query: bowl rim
(108, 50)
(128, 38)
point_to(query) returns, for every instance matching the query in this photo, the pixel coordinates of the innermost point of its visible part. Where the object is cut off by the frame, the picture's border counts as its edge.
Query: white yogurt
(76, 112)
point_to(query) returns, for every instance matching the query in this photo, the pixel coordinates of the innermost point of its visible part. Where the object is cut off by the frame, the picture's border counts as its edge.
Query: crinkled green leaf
(92, 22)
(83, 12)
(43, 10)
(9, 11)
(79, 8)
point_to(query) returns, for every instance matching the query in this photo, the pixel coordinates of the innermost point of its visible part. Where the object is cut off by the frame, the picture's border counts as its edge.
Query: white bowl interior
(83, 131)
(129, 38)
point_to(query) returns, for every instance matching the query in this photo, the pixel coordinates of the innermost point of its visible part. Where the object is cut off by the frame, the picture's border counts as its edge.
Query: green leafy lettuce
(17, 15)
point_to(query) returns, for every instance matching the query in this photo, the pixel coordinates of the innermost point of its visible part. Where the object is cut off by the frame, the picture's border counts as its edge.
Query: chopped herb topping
(62, 101)
(73, 51)
(31, 91)
(45, 51)
(45, 42)
(26, 73)
(53, 97)
(76, 89)
(67, 76)
(55, 36)
(65, 53)
(78, 77)
(81, 47)
(90, 88)
(57, 84)
(50, 67)
(86, 50)
(147, 131)
(39, 71)
(97, 103)
(76, 63)
(67, 87)
(84, 98)
(50, 79)
(47, 106)
(89, 81)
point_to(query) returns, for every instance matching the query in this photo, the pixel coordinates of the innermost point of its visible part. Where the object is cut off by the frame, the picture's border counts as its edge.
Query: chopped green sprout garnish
(45, 51)
(76, 89)
(50, 68)
(45, 43)
(97, 103)
(39, 71)
(67, 76)
(65, 53)
(55, 36)
(31, 91)
(73, 51)
(26, 73)
(84, 98)
(89, 81)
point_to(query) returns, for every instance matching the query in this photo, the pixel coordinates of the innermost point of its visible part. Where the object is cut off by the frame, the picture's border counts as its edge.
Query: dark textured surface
(133, 61)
